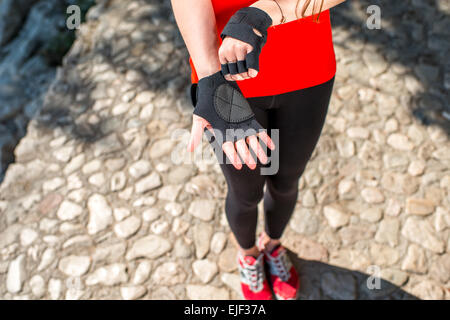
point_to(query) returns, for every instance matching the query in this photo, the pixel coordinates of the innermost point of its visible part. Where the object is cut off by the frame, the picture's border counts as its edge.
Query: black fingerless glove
(222, 104)
(240, 26)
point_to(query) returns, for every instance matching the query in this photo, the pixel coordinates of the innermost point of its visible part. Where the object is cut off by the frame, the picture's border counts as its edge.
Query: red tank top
(297, 55)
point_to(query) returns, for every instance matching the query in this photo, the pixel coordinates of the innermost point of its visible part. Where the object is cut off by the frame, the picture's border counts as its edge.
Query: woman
(287, 84)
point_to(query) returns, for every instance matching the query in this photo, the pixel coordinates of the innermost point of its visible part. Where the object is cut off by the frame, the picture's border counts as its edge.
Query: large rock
(151, 246)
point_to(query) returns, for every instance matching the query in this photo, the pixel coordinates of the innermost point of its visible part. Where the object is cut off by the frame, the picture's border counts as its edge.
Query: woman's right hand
(232, 149)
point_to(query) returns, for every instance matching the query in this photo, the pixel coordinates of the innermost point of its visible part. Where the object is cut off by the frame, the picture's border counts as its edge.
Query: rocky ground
(94, 207)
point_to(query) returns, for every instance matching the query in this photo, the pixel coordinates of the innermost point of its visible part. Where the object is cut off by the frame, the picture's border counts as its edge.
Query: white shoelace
(253, 275)
(280, 265)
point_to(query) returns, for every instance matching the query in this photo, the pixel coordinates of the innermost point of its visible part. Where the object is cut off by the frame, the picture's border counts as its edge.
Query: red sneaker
(283, 276)
(254, 284)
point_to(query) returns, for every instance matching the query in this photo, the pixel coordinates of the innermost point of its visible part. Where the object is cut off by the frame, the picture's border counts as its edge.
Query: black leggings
(299, 116)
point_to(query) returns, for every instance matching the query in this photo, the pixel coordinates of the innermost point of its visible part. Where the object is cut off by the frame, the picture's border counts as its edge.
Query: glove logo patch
(231, 105)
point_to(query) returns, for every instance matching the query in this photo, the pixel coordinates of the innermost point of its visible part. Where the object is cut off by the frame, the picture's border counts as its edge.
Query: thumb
(196, 134)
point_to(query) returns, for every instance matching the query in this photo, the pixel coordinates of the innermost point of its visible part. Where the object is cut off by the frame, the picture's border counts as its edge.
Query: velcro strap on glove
(241, 25)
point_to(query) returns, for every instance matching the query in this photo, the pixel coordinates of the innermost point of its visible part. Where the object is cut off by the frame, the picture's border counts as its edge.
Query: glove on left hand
(240, 26)
(222, 104)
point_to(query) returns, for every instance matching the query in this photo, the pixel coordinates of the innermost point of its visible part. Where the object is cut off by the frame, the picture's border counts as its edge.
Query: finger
(225, 69)
(245, 154)
(242, 69)
(228, 148)
(266, 139)
(196, 135)
(256, 147)
(240, 52)
(252, 72)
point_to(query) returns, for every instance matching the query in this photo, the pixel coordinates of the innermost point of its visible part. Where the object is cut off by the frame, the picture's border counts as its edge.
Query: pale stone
(109, 253)
(139, 168)
(308, 199)
(52, 185)
(394, 276)
(91, 167)
(168, 274)
(16, 274)
(358, 133)
(371, 214)
(205, 270)
(142, 272)
(115, 164)
(74, 181)
(415, 260)
(383, 255)
(421, 232)
(127, 227)
(393, 207)
(442, 219)
(37, 285)
(206, 292)
(345, 147)
(312, 177)
(346, 189)
(439, 270)
(202, 209)
(109, 275)
(74, 164)
(64, 154)
(97, 179)
(48, 256)
(336, 216)
(54, 288)
(416, 167)
(74, 266)
(391, 125)
(28, 236)
(69, 210)
(159, 226)
(149, 182)
(161, 148)
(202, 233)
(233, 281)
(419, 206)
(304, 221)
(354, 233)
(400, 142)
(427, 290)
(118, 181)
(169, 193)
(150, 214)
(151, 246)
(179, 226)
(372, 195)
(100, 214)
(132, 292)
(121, 213)
(218, 242)
(174, 208)
(388, 232)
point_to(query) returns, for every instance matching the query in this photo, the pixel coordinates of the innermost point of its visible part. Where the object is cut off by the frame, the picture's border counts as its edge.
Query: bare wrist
(207, 69)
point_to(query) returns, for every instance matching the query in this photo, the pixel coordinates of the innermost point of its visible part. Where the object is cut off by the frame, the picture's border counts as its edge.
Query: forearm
(304, 8)
(197, 24)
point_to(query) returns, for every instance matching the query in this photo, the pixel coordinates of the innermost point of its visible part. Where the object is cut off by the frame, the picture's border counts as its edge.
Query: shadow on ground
(322, 281)
(415, 35)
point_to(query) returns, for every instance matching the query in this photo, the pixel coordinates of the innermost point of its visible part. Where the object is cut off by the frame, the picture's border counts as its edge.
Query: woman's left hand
(233, 50)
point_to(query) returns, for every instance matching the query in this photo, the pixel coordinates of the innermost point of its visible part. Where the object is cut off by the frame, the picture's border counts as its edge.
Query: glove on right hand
(240, 27)
(222, 104)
